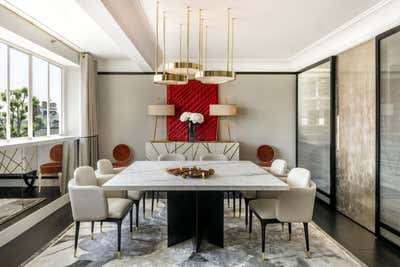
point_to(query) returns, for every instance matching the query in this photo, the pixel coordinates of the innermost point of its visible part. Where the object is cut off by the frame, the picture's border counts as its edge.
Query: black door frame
(332, 194)
(378, 223)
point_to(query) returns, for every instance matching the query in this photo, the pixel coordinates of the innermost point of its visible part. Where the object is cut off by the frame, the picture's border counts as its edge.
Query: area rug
(149, 246)
(11, 207)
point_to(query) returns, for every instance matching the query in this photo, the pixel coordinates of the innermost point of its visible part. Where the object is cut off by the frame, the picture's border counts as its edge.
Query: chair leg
(308, 253)
(144, 206)
(59, 180)
(137, 215)
(131, 221)
(101, 227)
(234, 203)
(290, 231)
(158, 193)
(77, 224)
(263, 229)
(40, 182)
(250, 222)
(228, 199)
(92, 230)
(119, 255)
(246, 211)
(240, 205)
(152, 203)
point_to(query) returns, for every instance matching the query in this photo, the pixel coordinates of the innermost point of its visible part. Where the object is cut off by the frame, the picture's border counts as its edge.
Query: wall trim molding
(31, 220)
(238, 73)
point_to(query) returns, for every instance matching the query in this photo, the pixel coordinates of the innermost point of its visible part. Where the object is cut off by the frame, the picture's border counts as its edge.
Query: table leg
(194, 215)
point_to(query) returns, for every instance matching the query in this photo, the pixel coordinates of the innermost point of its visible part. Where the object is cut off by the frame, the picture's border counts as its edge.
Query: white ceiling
(68, 21)
(270, 35)
(266, 29)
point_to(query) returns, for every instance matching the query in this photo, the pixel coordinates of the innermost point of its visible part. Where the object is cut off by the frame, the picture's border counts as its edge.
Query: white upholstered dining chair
(89, 204)
(165, 157)
(222, 157)
(293, 206)
(105, 171)
(213, 157)
(172, 157)
(279, 169)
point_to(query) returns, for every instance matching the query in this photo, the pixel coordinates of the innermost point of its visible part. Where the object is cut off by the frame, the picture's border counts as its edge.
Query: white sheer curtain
(88, 130)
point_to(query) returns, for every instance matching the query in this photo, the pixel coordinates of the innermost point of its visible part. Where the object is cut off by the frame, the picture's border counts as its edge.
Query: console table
(192, 151)
(19, 157)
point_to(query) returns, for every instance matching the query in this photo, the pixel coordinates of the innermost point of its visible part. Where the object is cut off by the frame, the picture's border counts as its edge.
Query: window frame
(30, 84)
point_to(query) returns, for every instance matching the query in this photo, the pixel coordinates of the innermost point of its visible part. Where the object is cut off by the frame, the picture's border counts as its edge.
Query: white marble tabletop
(229, 175)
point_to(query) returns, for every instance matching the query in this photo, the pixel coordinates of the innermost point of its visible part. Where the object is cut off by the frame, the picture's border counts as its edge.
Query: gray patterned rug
(11, 207)
(149, 247)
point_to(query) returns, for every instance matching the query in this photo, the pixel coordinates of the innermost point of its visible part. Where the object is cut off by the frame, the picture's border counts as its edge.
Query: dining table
(195, 206)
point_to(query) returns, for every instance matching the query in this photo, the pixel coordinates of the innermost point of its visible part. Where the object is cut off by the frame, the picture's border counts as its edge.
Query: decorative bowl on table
(193, 172)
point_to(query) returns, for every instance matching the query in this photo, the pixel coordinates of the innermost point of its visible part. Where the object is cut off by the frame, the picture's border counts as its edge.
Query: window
(3, 90)
(40, 95)
(30, 95)
(55, 99)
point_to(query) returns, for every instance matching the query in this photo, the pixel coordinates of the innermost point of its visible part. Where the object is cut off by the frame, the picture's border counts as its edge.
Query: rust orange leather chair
(54, 167)
(122, 154)
(265, 154)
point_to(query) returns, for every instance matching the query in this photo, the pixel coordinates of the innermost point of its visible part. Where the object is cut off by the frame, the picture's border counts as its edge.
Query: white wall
(266, 113)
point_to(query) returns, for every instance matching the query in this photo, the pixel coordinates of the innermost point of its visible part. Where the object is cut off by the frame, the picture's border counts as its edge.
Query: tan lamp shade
(161, 110)
(223, 110)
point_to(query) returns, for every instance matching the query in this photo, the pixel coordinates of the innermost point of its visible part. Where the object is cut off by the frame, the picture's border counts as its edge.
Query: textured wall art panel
(193, 97)
(356, 134)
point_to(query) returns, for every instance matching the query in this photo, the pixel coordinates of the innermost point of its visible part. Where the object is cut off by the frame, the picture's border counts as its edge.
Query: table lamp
(160, 110)
(223, 111)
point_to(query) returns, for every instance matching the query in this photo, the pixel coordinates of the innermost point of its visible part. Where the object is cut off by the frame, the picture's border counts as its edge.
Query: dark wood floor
(358, 240)
(50, 193)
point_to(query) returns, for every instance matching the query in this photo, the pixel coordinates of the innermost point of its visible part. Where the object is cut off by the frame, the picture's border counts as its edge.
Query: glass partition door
(388, 172)
(315, 126)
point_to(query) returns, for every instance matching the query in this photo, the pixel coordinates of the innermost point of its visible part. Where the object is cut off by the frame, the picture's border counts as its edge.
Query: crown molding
(377, 19)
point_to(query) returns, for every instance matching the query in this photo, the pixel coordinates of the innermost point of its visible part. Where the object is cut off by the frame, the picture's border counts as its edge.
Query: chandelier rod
(156, 46)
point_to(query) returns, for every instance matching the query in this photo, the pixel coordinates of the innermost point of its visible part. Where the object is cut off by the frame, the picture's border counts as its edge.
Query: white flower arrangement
(193, 117)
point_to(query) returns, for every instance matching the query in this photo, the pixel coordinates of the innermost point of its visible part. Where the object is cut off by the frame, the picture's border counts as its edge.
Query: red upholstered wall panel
(193, 97)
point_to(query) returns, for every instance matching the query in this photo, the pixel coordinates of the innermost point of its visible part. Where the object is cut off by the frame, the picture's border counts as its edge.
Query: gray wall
(266, 113)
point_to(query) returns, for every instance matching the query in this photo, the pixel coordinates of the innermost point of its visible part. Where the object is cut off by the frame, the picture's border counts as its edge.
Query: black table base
(196, 214)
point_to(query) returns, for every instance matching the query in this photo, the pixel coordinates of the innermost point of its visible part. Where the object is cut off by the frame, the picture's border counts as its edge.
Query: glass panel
(3, 90)
(55, 99)
(390, 131)
(314, 124)
(40, 93)
(19, 82)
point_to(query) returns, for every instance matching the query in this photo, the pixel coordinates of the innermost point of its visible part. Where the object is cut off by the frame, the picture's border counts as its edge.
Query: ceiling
(266, 29)
(267, 32)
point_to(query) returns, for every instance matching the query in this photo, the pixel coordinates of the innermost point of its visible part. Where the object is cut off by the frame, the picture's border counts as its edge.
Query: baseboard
(31, 220)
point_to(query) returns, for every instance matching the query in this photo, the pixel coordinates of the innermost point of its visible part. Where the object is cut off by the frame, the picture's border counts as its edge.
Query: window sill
(25, 142)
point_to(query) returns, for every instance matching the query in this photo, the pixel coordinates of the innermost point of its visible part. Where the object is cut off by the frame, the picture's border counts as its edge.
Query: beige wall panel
(266, 113)
(356, 134)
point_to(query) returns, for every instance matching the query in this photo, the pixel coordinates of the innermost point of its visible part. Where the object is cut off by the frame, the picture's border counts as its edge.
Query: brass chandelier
(165, 78)
(178, 73)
